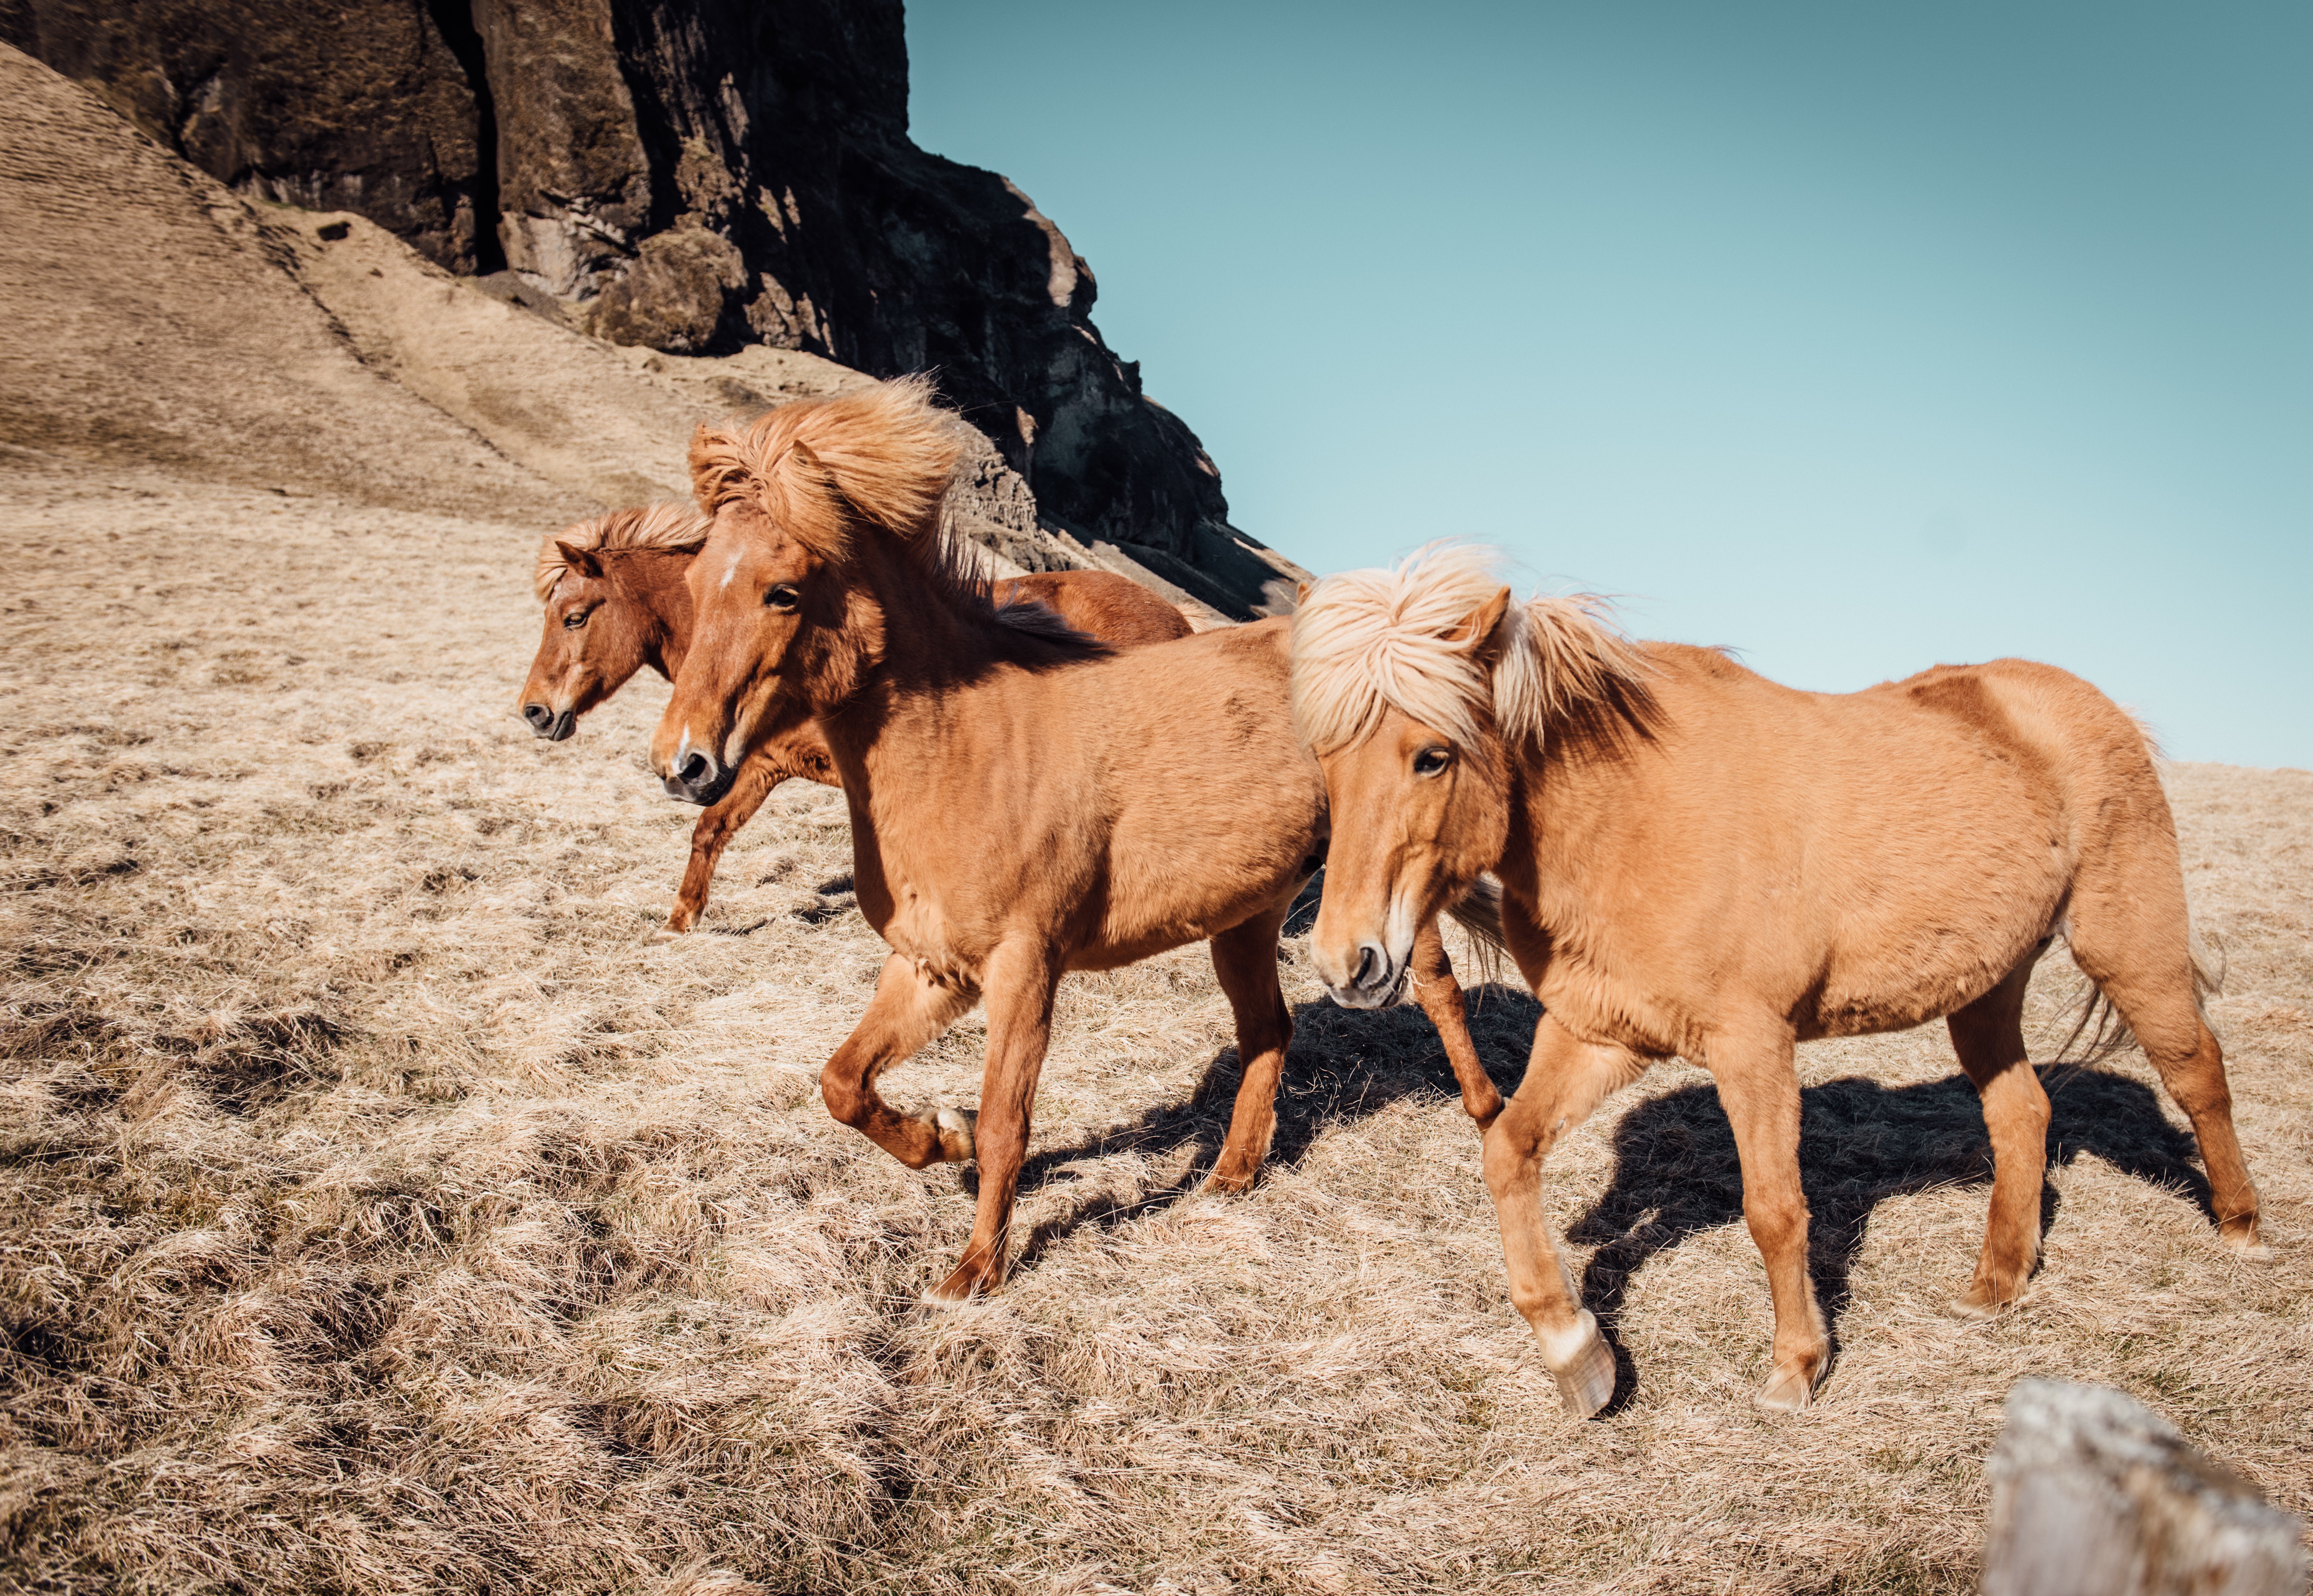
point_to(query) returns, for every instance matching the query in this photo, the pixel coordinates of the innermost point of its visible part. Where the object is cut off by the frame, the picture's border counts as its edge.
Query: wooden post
(2094, 1494)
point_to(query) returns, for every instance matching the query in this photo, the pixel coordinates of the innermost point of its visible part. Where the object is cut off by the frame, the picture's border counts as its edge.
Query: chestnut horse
(1025, 801)
(1696, 862)
(615, 602)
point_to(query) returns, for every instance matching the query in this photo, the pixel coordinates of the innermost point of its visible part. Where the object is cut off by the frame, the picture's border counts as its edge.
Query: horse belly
(1938, 937)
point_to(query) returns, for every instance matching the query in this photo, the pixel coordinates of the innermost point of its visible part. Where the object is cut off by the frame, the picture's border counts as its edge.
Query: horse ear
(582, 560)
(1301, 591)
(1478, 626)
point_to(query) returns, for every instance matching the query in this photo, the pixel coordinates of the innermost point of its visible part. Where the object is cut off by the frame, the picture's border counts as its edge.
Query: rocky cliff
(692, 176)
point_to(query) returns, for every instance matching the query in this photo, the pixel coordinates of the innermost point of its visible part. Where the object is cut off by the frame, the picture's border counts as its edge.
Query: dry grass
(384, 1212)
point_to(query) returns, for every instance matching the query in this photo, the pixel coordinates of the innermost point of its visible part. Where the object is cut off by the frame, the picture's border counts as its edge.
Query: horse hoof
(1229, 1183)
(665, 934)
(1984, 1300)
(2245, 1243)
(1585, 1377)
(1787, 1390)
(955, 1128)
(961, 1286)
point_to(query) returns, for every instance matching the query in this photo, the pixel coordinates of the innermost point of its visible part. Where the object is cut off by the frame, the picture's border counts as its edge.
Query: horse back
(1115, 609)
(1859, 862)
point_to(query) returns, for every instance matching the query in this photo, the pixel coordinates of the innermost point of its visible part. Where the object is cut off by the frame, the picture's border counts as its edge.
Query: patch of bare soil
(380, 1210)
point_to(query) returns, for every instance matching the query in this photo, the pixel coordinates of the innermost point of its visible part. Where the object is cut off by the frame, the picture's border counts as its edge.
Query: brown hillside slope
(155, 313)
(148, 316)
(690, 176)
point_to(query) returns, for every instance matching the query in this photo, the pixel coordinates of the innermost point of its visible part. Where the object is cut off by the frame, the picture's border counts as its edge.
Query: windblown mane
(1369, 640)
(884, 455)
(649, 526)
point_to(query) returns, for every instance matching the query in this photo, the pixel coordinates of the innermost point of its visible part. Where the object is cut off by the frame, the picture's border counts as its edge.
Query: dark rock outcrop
(691, 175)
(365, 107)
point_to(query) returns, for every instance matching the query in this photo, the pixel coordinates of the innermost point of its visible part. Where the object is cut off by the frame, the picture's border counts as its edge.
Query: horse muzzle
(1377, 981)
(699, 778)
(546, 723)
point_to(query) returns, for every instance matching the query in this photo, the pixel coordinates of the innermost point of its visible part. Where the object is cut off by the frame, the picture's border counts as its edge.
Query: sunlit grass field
(383, 1208)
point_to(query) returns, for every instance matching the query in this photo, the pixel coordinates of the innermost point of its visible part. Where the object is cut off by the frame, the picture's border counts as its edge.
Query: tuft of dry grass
(382, 1210)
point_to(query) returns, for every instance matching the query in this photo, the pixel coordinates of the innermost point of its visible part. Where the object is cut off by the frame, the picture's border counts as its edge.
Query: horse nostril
(696, 770)
(541, 718)
(1367, 961)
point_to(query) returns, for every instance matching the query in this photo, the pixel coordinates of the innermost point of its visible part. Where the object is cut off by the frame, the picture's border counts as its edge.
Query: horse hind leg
(1244, 958)
(2134, 945)
(1989, 1037)
(1440, 997)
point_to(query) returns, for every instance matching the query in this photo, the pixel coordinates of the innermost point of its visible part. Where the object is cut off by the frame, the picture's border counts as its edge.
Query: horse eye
(575, 620)
(1430, 760)
(782, 598)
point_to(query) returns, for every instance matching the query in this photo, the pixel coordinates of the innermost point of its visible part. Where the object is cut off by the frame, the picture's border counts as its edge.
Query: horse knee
(1775, 1220)
(848, 1097)
(1512, 1150)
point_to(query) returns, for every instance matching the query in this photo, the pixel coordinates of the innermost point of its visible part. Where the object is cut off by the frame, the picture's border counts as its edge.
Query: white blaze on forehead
(730, 570)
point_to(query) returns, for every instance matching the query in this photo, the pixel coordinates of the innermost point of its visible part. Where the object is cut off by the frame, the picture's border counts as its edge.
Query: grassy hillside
(383, 1209)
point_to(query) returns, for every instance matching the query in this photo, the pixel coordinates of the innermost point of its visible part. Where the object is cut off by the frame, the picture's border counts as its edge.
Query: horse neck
(652, 578)
(917, 642)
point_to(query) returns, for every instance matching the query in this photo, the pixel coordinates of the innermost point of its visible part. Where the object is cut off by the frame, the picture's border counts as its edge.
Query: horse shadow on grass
(1862, 1143)
(1345, 1065)
(1675, 1171)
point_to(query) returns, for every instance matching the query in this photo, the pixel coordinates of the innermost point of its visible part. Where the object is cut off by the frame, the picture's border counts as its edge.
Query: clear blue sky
(1859, 337)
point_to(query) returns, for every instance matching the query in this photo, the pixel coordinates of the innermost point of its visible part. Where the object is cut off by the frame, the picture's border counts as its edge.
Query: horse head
(606, 609)
(1416, 689)
(814, 507)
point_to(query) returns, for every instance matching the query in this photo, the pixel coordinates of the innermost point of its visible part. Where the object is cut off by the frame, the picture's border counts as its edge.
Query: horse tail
(2100, 1024)
(1479, 911)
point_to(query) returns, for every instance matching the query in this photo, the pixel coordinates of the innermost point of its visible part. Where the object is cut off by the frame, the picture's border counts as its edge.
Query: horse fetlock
(1579, 1359)
(953, 1126)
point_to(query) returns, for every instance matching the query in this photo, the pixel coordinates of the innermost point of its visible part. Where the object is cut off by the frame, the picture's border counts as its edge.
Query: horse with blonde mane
(615, 602)
(1698, 862)
(1025, 801)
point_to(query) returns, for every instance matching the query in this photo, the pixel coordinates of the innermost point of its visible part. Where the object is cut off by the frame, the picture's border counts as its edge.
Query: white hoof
(1787, 1390)
(1583, 1364)
(955, 1128)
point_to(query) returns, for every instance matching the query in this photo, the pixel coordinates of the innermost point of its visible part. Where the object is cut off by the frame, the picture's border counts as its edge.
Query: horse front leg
(1440, 997)
(908, 1010)
(717, 824)
(1020, 981)
(1565, 1080)
(1244, 958)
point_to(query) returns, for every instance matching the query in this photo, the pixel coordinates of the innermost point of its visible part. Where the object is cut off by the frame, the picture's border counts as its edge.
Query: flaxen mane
(885, 456)
(1369, 640)
(650, 526)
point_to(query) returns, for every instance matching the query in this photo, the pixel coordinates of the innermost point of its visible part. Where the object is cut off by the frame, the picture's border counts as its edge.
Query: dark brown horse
(616, 602)
(1025, 801)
